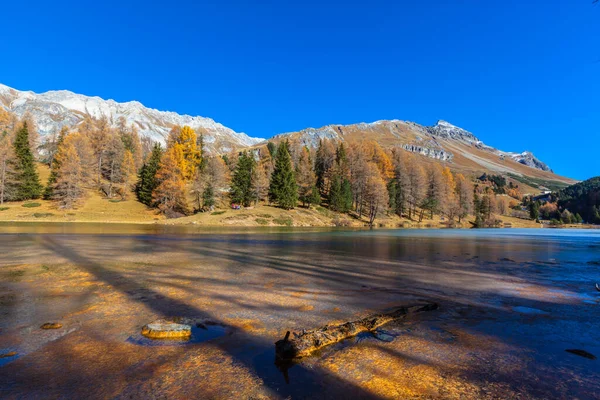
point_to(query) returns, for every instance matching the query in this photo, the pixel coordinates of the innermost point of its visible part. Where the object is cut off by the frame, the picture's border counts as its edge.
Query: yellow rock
(51, 325)
(167, 329)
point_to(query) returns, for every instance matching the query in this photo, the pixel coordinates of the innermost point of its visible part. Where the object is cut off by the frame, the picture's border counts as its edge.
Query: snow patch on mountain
(55, 109)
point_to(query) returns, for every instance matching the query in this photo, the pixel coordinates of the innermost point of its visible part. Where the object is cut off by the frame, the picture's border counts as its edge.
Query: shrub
(217, 213)
(265, 216)
(261, 221)
(31, 205)
(4, 208)
(42, 215)
(283, 221)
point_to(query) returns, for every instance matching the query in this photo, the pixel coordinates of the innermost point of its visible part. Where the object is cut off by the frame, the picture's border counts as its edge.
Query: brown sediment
(305, 343)
(168, 328)
(51, 325)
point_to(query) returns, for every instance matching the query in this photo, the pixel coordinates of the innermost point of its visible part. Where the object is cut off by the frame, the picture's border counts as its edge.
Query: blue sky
(521, 75)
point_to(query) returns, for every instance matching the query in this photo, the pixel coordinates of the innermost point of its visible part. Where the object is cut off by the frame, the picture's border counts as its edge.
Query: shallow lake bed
(511, 303)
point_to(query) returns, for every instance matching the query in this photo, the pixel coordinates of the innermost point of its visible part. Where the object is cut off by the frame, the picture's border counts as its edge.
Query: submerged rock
(10, 354)
(168, 328)
(581, 353)
(51, 325)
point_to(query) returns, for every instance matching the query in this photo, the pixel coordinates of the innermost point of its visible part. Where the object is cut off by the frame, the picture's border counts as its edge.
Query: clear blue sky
(520, 74)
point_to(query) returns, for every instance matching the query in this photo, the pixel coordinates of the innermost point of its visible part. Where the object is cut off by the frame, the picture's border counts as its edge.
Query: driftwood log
(306, 342)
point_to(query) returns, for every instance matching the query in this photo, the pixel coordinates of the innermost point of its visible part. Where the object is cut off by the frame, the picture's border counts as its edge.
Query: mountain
(444, 142)
(582, 198)
(54, 109)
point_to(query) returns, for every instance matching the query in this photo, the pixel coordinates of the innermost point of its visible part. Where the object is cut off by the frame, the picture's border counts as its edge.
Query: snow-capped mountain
(442, 141)
(54, 109)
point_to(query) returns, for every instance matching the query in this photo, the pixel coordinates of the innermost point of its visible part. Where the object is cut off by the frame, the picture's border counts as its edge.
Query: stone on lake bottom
(51, 325)
(167, 328)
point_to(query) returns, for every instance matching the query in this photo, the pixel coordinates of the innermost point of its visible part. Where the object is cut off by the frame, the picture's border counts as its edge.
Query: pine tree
(391, 187)
(242, 191)
(272, 149)
(147, 176)
(208, 196)
(534, 210)
(315, 197)
(283, 190)
(27, 180)
(346, 196)
(335, 194)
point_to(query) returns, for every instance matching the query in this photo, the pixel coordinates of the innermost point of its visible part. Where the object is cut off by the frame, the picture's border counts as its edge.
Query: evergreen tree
(335, 194)
(147, 176)
(320, 167)
(242, 191)
(346, 196)
(315, 197)
(27, 180)
(534, 210)
(283, 190)
(208, 196)
(272, 149)
(392, 195)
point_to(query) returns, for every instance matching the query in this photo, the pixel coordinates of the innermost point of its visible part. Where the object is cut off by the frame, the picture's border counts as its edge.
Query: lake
(511, 303)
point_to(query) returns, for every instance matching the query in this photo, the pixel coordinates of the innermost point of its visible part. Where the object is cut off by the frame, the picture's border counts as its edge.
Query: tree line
(360, 178)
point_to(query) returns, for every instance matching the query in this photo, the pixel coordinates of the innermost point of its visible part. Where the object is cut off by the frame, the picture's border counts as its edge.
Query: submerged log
(306, 342)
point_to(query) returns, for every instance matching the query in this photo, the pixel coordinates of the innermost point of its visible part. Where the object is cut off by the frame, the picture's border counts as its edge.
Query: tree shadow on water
(256, 354)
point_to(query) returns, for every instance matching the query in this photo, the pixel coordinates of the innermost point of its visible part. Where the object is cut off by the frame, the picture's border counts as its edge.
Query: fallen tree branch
(306, 342)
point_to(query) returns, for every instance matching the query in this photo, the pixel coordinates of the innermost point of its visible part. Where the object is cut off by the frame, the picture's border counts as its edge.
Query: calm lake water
(511, 303)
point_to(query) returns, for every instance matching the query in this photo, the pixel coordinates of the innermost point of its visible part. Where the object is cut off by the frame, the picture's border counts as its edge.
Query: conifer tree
(27, 180)
(147, 176)
(315, 197)
(188, 141)
(67, 187)
(54, 166)
(335, 194)
(346, 196)
(208, 196)
(169, 195)
(305, 177)
(242, 191)
(7, 173)
(272, 149)
(391, 187)
(283, 190)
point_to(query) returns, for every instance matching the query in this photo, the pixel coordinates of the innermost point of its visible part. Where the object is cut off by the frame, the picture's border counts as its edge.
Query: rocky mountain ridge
(55, 109)
(443, 141)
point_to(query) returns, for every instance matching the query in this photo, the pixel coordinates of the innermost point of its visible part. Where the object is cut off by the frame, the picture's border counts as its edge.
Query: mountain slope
(54, 109)
(443, 141)
(582, 198)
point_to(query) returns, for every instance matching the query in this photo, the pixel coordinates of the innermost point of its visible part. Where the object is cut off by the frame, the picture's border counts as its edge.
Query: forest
(358, 178)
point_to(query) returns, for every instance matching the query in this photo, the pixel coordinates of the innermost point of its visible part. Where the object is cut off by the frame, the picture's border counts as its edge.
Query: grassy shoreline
(98, 210)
